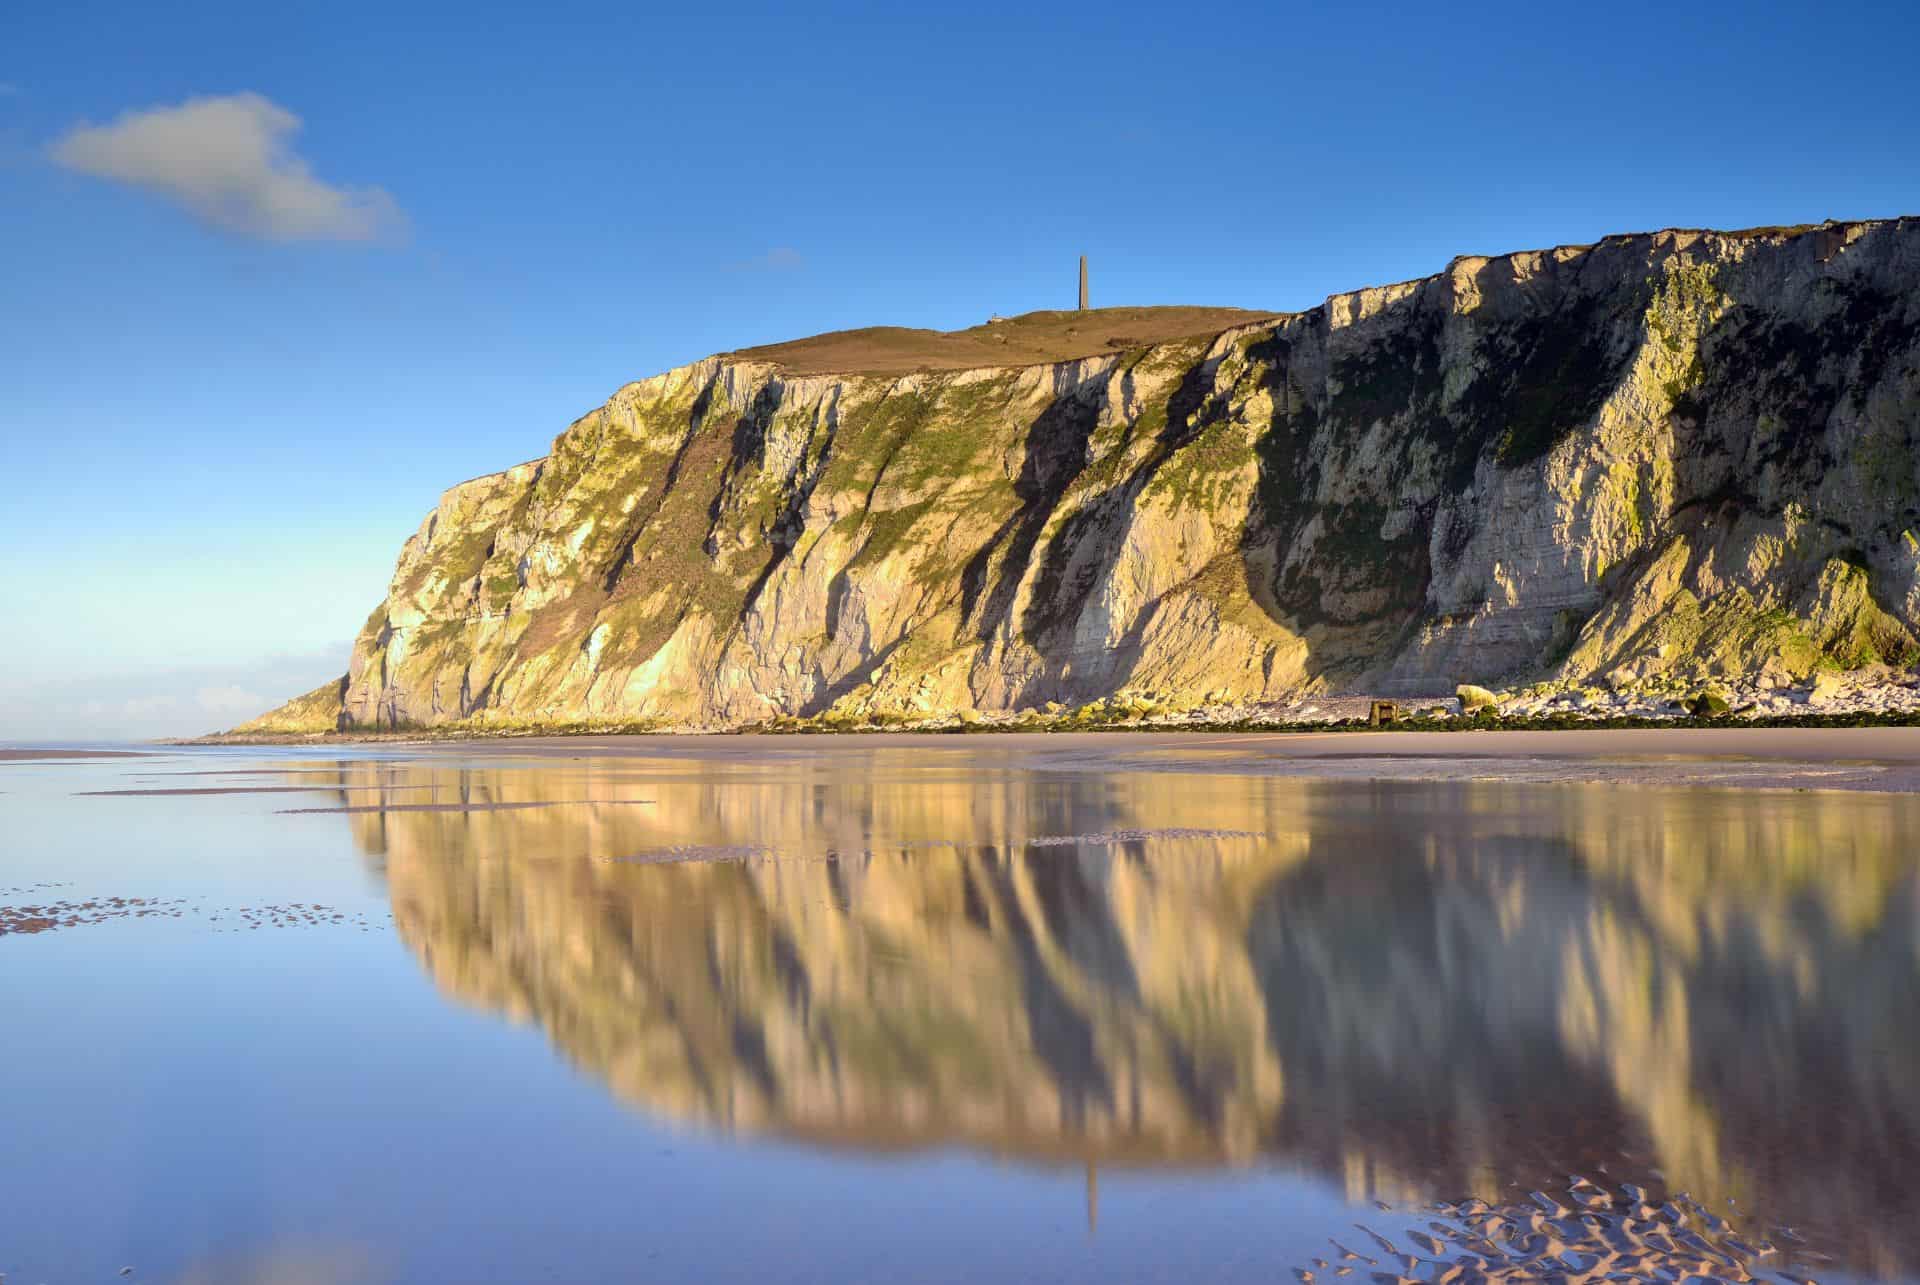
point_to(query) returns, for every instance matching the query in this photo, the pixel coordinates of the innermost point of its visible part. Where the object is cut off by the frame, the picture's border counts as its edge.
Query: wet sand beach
(1879, 759)
(34, 755)
(1080, 1007)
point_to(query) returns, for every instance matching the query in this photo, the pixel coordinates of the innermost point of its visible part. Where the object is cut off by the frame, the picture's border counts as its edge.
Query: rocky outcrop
(1673, 455)
(318, 710)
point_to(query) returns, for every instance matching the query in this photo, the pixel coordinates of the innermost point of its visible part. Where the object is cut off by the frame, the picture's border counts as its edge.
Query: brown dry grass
(1026, 340)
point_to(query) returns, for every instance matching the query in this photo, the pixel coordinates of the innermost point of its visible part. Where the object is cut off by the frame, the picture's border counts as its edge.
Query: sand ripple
(1588, 1234)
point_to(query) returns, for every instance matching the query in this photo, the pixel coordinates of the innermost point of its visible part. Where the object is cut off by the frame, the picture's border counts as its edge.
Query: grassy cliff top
(1026, 340)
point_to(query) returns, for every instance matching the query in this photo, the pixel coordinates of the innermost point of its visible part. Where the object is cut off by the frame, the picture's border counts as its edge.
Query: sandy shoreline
(1877, 759)
(19, 755)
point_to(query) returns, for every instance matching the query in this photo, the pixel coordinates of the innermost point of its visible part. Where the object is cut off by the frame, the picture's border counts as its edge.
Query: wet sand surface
(1587, 1234)
(1080, 1008)
(1879, 759)
(46, 916)
(164, 792)
(55, 755)
(37, 917)
(463, 807)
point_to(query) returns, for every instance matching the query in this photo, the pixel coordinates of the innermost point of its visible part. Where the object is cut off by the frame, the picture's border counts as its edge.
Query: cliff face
(1671, 454)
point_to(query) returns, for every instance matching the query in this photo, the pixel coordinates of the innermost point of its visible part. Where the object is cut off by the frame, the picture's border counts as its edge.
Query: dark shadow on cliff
(1077, 556)
(1773, 403)
(748, 451)
(1056, 453)
(1365, 416)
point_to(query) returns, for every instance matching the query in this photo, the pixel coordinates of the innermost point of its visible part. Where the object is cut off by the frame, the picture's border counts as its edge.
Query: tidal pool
(811, 1010)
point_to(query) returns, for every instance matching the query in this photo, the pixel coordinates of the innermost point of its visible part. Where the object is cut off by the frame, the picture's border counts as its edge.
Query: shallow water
(806, 1011)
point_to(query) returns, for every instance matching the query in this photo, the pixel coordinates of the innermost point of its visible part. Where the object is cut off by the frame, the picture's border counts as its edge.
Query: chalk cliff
(1666, 455)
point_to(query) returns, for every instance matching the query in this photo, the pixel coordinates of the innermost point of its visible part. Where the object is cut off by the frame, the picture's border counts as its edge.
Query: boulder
(1709, 704)
(1473, 698)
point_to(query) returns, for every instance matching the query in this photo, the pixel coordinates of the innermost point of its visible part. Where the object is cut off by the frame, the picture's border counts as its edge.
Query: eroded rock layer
(1666, 455)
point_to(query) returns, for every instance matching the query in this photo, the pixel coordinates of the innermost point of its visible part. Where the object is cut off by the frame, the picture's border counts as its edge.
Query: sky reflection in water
(923, 1015)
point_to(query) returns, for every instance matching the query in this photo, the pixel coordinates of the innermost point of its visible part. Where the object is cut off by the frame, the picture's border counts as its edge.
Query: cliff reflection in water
(1416, 990)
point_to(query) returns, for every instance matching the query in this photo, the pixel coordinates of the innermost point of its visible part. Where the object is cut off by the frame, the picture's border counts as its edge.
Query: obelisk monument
(1083, 283)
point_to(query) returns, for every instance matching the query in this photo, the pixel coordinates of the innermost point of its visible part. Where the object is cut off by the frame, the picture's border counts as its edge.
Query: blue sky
(226, 397)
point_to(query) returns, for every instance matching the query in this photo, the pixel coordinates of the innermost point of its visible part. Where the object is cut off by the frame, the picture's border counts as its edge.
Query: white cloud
(229, 162)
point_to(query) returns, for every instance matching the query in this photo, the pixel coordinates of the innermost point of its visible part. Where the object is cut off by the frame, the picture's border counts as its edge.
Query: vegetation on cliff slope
(1661, 457)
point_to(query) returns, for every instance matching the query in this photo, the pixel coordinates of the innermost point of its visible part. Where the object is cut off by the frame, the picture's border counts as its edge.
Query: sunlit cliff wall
(1665, 454)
